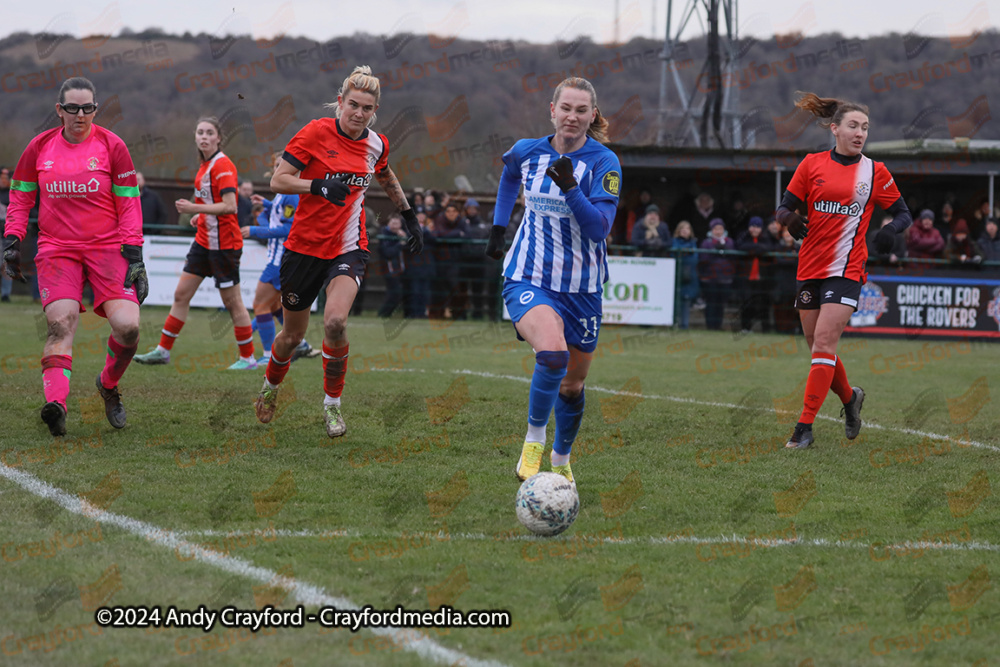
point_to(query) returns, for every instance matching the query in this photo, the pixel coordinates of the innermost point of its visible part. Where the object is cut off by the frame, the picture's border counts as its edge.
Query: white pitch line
(303, 592)
(652, 539)
(694, 401)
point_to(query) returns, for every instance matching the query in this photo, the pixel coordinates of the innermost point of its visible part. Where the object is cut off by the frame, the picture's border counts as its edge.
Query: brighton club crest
(871, 305)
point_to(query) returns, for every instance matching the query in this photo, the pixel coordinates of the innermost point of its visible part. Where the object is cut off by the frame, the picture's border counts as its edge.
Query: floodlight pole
(719, 71)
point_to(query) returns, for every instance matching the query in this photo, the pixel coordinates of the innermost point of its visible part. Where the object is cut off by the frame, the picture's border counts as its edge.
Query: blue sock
(265, 327)
(253, 325)
(280, 316)
(550, 369)
(569, 414)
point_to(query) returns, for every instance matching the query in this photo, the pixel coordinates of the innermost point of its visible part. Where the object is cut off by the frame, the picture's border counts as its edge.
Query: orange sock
(244, 338)
(841, 387)
(817, 385)
(276, 368)
(171, 329)
(334, 369)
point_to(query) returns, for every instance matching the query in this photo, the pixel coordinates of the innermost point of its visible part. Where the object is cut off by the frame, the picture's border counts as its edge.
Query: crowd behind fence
(742, 281)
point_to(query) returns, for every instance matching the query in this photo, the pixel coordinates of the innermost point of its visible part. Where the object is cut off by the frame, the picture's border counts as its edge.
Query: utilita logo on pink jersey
(73, 187)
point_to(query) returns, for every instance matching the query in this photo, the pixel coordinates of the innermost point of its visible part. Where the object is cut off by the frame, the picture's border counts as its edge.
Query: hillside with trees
(451, 106)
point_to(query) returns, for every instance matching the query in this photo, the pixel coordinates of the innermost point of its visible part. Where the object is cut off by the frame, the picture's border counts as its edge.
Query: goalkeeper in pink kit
(89, 230)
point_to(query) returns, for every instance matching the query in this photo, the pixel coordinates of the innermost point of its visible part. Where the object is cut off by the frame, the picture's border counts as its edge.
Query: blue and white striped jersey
(277, 216)
(549, 249)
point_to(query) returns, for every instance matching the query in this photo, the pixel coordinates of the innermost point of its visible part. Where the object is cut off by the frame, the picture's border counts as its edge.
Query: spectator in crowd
(472, 216)
(688, 275)
(153, 210)
(773, 232)
(716, 272)
(977, 223)
(944, 221)
(704, 214)
(6, 283)
(244, 204)
(989, 242)
(418, 273)
(756, 301)
(923, 241)
(960, 248)
(786, 318)
(652, 235)
(898, 251)
(5, 189)
(371, 229)
(391, 241)
(475, 273)
(645, 201)
(738, 217)
(431, 206)
(29, 246)
(417, 199)
(445, 296)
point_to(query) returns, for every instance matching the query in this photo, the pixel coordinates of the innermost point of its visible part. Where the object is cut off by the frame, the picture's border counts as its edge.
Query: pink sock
(56, 370)
(117, 361)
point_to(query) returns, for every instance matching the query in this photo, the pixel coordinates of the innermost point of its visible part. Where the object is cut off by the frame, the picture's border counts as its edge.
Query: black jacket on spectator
(990, 247)
(153, 210)
(755, 248)
(244, 211)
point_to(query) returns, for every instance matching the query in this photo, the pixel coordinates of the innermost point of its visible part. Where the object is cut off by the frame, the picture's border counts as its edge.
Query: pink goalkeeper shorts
(62, 272)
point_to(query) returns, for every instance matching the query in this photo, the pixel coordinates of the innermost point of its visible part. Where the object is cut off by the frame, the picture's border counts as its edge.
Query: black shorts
(810, 294)
(303, 276)
(223, 265)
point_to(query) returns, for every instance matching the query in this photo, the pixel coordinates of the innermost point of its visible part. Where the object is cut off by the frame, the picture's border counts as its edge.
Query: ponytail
(828, 109)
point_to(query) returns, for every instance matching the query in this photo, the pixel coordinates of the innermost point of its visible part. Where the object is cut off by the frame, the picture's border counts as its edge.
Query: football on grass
(547, 504)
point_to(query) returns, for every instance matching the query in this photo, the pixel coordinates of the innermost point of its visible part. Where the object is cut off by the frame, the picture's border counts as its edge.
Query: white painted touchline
(304, 593)
(693, 401)
(353, 533)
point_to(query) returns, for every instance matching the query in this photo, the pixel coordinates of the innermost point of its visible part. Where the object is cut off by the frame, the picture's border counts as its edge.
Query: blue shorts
(580, 311)
(272, 275)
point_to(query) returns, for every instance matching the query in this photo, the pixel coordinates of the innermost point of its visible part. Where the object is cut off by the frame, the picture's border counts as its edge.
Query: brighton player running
(330, 163)
(89, 229)
(215, 251)
(273, 224)
(838, 190)
(557, 264)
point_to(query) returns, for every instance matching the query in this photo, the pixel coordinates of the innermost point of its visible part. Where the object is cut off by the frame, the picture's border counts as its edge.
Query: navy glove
(136, 274)
(561, 172)
(884, 240)
(334, 190)
(495, 246)
(414, 244)
(12, 258)
(797, 226)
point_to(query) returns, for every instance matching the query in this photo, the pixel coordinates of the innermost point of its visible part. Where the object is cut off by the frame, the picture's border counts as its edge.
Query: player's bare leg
(340, 295)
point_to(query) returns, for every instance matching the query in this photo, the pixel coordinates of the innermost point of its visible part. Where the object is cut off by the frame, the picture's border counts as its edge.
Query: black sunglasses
(74, 109)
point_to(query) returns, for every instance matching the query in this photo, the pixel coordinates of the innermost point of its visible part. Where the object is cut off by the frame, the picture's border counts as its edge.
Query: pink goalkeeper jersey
(89, 195)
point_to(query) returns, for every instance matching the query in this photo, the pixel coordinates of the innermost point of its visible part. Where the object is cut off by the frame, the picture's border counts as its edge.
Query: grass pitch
(700, 540)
